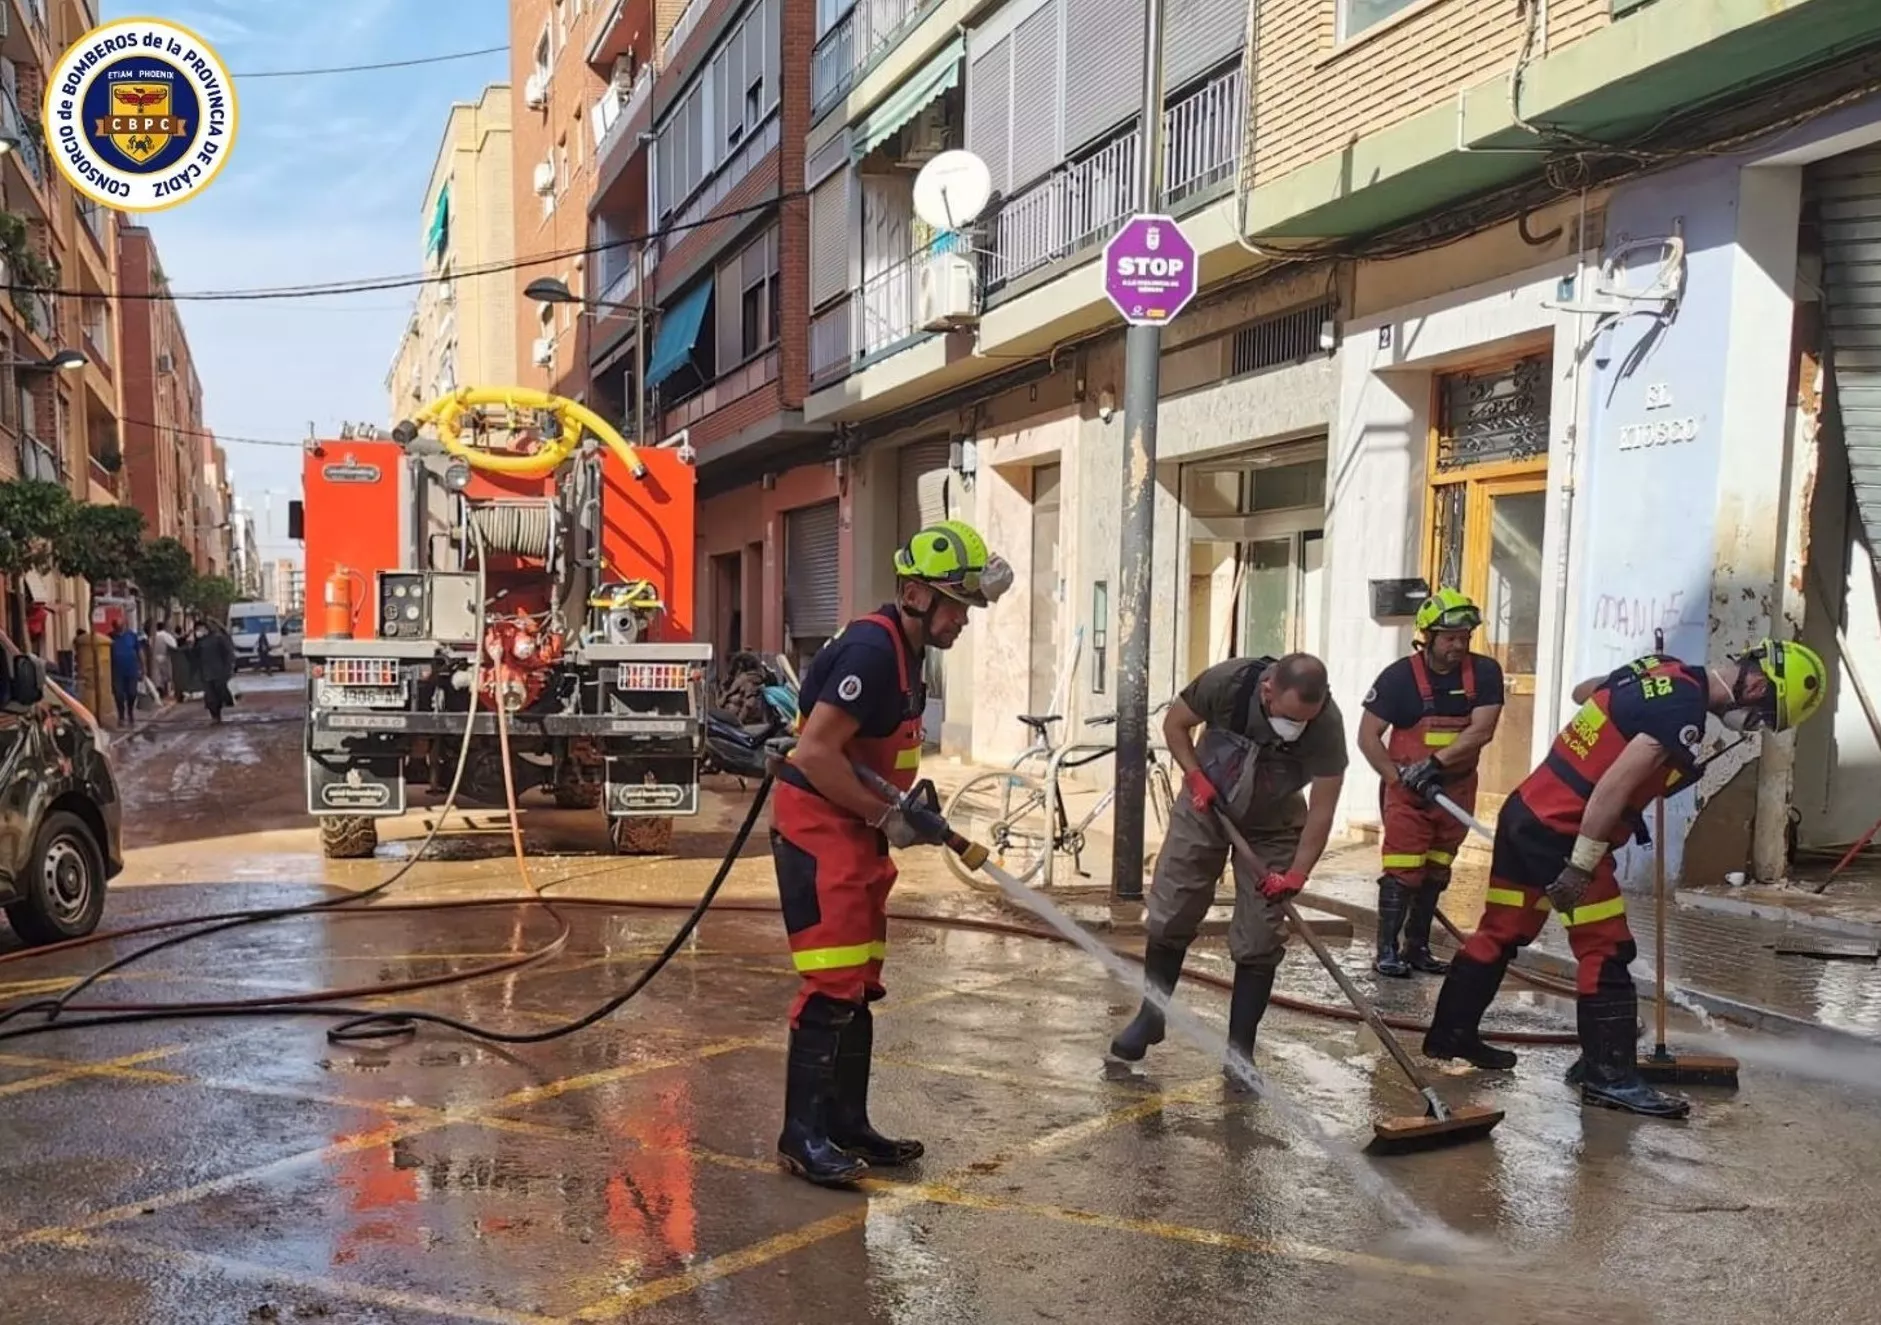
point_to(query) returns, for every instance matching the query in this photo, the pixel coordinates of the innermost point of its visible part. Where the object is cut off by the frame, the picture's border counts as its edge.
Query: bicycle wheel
(1011, 815)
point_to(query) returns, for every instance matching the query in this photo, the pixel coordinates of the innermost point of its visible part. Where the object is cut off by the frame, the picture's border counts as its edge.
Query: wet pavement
(249, 1170)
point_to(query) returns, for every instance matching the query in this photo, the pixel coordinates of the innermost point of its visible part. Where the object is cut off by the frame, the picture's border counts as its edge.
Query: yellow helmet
(1798, 681)
(1448, 609)
(953, 558)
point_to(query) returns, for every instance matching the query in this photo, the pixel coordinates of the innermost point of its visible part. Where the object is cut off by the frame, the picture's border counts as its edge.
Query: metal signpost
(1149, 274)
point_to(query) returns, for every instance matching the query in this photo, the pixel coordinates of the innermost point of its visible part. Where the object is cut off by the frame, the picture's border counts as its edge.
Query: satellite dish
(952, 190)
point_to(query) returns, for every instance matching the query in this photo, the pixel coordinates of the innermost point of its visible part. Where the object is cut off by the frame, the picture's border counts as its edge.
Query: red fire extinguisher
(339, 604)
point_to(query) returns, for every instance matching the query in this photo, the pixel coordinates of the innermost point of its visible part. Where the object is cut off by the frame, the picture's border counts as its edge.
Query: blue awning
(679, 332)
(440, 229)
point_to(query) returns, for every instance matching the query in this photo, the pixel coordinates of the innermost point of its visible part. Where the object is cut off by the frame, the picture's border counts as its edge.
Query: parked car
(60, 816)
(293, 631)
(248, 622)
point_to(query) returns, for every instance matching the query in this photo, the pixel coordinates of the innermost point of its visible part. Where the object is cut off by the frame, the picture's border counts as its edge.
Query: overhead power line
(367, 68)
(371, 284)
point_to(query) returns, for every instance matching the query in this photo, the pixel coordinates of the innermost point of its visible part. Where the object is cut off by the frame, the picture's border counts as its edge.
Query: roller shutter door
(812, 572)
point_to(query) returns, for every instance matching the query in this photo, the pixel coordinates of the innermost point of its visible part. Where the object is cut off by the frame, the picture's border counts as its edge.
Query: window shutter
(1103, 68)
(1197, 36)
(829, 236)
(730, 300)
(812, 575)
(1036, 69)
(989, 110)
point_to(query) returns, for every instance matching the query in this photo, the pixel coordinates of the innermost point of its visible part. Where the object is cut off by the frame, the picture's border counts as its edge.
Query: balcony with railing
(26, 151)
(97, 224)
(682, 28)
(616, 119)
(727, 387)
(1083, 203)
(853, 42)
(885, 315)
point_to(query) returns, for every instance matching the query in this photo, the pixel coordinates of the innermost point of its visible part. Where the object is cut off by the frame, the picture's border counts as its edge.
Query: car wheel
(64, 885)
(348, 836)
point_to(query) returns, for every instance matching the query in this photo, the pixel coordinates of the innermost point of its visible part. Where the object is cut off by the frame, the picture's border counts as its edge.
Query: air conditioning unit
(166, 363)
(545, 178)
(536, 91)
(950, 293)
(543, 352)
(924, 138)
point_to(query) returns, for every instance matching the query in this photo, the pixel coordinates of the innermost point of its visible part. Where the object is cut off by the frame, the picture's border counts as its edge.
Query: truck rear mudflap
(354, 786)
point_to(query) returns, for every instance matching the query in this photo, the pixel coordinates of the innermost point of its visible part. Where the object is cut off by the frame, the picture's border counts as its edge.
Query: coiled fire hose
(451, 414)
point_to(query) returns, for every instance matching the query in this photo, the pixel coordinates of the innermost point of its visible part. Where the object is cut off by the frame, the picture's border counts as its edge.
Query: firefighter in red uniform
(1441, 704)
(1634, 739)
(861, 702)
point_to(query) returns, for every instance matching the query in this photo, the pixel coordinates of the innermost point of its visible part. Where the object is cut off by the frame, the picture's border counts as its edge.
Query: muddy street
(246, 1168)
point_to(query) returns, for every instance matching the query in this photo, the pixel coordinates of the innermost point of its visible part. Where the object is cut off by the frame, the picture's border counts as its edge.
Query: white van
(248, 622)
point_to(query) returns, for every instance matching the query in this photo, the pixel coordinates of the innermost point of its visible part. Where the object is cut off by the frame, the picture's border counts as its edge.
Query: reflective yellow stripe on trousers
(836, 959)
(1438, 740)
(1401, 862)
(1581, 915)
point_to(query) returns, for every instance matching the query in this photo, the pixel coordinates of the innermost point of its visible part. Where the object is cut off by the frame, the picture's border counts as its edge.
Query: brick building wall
(1313, 95)
(558, 133)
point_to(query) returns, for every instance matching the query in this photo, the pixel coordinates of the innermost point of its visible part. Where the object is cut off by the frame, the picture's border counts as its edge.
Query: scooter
(738, 748)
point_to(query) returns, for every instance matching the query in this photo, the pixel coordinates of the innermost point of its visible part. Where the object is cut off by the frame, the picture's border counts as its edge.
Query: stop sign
(1149, 270)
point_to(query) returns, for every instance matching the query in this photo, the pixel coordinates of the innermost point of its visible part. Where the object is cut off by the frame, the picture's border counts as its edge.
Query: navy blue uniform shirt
(857, 673)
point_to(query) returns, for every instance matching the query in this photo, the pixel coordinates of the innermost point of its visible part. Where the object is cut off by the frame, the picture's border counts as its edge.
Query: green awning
(910, 99)
(678, 334)
(436, 237)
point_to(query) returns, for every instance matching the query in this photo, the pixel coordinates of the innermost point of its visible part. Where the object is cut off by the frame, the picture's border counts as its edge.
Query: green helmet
(953, 558)
(1798, 681)
(1448, 609)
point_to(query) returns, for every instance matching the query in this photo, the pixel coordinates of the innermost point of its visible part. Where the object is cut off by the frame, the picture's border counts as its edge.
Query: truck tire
(348, 836)
(63, 889)
(641, 837)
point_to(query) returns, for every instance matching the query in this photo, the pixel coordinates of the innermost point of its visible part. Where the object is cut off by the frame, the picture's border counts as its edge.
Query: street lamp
(64, 361)
(550, 290)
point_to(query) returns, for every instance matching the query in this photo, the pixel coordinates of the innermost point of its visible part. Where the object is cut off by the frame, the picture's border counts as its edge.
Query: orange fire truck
(505, 549)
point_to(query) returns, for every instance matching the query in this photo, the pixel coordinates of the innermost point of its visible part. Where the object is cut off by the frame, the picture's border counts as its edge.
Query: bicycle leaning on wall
(1022, 817)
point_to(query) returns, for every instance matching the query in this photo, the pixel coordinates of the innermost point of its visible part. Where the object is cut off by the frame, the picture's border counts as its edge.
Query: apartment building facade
(162, 421)
(218, 549)
(59, 424)
(462, 329)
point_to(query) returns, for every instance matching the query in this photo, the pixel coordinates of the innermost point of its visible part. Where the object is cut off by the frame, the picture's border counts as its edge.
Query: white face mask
(1287, 729)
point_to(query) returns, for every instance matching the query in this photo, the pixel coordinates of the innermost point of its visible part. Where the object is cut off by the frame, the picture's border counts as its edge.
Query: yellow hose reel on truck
(450, 413)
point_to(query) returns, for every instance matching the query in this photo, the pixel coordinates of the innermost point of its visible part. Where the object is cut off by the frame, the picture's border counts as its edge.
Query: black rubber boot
(1253, 987)
(1162, 967)
(805, 1147)
(1456, 1027)
(1422, 911)
(1393, 900)
(849, 1125)
(1609, 1027)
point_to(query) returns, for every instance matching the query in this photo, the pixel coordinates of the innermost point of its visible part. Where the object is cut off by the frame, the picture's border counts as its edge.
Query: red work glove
(1279, 887)
(1201, 790)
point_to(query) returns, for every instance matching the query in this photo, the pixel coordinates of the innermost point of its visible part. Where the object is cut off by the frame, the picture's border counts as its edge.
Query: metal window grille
(1284, 338)
(1498, 414)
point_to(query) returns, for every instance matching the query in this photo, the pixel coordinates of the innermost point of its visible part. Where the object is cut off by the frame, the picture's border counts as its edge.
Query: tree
(34, 517)
(209, 596)
(163, 571)
(101, 543)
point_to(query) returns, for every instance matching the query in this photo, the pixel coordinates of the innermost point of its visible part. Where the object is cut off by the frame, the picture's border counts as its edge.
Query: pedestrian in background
(162, 646)
(127, 669)
(215, 653)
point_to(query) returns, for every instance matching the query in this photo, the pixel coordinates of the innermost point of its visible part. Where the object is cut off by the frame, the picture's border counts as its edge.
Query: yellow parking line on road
(365, 1294)
(607, 1076)
(770, 1249)
(721, 1267)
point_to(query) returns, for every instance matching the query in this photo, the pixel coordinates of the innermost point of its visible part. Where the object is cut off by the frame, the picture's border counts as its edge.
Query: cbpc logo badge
(140, 114)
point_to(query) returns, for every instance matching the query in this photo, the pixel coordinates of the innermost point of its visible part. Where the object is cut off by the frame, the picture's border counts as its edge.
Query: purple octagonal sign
(1149, 270)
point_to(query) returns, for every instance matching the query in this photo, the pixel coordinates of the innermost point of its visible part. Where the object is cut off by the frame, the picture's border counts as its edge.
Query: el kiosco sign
(140, 114)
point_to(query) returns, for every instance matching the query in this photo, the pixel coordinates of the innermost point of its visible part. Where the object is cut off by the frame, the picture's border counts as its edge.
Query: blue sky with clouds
(326, 183)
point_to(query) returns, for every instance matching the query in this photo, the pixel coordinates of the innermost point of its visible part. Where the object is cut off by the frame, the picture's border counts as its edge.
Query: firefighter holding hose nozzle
(860, 705)
(1634, 739)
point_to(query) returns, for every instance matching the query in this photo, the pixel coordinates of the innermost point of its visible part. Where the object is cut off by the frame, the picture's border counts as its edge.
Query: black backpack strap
(1247, 698)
